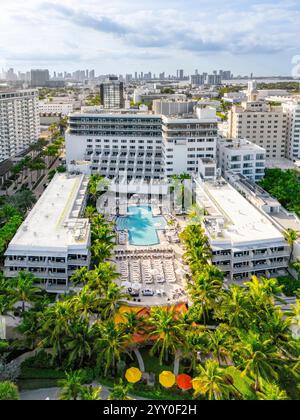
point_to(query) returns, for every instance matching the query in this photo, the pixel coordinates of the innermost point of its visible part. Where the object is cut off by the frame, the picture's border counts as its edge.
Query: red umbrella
(184, 382)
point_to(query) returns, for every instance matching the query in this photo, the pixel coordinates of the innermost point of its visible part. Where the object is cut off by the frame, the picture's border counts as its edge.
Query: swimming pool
(141, 225)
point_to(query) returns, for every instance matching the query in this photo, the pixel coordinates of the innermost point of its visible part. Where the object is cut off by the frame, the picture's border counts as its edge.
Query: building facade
(112, 94)
(54, 240)
(19, 121)
(188, 140)
(240, 156)
(113, 144)
(261, 124)
(244, 241)
(292, 112)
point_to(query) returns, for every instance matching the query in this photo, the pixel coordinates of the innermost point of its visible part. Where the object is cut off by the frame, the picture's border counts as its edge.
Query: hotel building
(54, 239)
(243, 239)
(19, 121)
(240, 156)
(292, 112)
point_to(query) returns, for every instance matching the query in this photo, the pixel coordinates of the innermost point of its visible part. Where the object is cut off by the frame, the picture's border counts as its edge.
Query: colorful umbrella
(167, 379)
(133, 375)
(184, 382)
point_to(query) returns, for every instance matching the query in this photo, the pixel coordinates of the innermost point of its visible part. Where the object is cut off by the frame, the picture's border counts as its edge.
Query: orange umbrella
(133, 375)
(184, 382)
(167, 379)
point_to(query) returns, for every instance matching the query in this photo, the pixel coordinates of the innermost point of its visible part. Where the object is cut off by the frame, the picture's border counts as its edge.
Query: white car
(148, 292)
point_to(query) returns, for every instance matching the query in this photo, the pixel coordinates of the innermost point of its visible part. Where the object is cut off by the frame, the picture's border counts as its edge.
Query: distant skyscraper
(112, 93)
(39, 78)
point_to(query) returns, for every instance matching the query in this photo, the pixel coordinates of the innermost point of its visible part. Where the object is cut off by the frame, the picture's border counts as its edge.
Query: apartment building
(173, 107)
(240, 156)
(261, 124)
(46, 107)
(244, 241)
(112, 93)
(54, 239)
(19, 121)
(292, 112)
(116, 143)
(189, 139)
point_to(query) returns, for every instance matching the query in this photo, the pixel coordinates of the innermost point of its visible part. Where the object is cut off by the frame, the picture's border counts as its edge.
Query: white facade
(292, 112)
(116, 144)
(188, 140)
(243, 240)
(46, 107)
(171, 107)
(54, 239)
(19, 121)
(240, 156)
(140, 145)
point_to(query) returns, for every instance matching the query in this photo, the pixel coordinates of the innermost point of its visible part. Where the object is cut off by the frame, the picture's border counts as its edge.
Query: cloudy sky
(159, 35)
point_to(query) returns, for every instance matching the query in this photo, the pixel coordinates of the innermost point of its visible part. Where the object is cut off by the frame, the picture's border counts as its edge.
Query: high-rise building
(19, 121)
(39, 78)
(260, 123)
(292, 112)
(112, 93)
(197, 80)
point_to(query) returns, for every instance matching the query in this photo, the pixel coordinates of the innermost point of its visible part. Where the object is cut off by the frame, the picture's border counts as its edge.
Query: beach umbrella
(184, 382)
(136, 286)
(133, 375)
(167, 379)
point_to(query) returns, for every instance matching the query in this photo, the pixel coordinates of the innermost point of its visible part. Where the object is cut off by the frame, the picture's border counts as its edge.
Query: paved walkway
(53, 394)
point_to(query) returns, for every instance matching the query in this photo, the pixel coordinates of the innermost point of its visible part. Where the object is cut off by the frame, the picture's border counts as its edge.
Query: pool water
(141, 225)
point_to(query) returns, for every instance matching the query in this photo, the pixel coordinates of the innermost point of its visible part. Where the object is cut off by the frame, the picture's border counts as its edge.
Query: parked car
(148, 292)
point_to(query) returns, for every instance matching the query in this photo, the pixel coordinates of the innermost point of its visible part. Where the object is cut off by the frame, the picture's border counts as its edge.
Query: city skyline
(257, 38)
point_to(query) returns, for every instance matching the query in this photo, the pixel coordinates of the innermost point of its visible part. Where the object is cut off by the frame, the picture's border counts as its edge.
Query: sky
(124, 36)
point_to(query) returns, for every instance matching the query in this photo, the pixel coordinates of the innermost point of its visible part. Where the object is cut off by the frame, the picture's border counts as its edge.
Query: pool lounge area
(141, 225)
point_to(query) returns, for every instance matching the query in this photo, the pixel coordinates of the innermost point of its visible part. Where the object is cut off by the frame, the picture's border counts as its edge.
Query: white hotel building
(54, 240)
(240, 156)
(141, 146)
(243, 240)
(292, 112)
(19, 121)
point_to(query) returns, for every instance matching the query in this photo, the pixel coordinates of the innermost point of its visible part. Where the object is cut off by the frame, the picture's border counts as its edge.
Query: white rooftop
(54, 223)
(243, 223)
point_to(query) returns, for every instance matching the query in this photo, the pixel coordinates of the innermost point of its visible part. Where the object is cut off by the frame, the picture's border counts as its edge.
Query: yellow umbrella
(167, 379)
(133, 375)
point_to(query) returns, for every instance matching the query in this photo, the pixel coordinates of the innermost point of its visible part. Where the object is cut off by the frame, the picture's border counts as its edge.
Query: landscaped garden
(231, 344)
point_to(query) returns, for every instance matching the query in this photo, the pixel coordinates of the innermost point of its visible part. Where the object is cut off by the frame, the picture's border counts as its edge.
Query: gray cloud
(101, 24)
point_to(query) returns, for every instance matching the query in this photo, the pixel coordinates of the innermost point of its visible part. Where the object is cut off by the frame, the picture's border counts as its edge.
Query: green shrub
(8, 391)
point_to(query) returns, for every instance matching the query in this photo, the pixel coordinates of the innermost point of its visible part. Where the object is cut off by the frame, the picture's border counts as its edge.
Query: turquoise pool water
(142, 226)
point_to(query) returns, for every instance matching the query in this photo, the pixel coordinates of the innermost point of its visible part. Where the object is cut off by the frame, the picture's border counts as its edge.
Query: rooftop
(54, 222)
(232, 218)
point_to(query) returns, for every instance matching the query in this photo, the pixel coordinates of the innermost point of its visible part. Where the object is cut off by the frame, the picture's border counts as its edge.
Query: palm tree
(219, 343)
(234, 308)
(291, 237)
(55, 327)
(79, 343)
(168, 330)
(112, 300)
(271, 392)
(101, 251)
(102, 275)
(6, 304)
(258, 356)
(205, 291)
(120, 392)
(212, 382)
(71, 386)
(85, 303)
(79, 276)
(111, 344)
(91, 393)
(24, 290)
(90, 212)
